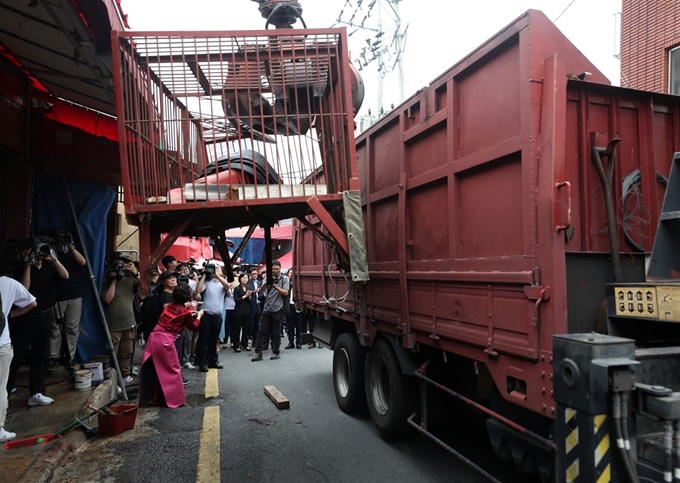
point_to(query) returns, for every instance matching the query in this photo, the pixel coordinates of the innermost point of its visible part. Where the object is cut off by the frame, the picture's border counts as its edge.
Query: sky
(440, 32)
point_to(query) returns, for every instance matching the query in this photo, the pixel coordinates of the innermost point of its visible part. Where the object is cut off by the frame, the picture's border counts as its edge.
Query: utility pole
(381, 64)
(400, 38)
(376, 50)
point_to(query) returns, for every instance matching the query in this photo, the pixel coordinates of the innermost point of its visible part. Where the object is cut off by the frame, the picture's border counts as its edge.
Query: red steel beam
(170, 239)
(327, 220)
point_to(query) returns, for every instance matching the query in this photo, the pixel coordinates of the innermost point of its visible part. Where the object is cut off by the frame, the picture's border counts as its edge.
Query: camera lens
(43, 249)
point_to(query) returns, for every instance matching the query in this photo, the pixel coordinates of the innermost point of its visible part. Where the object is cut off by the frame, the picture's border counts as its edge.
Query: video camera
(182, 280)
(42, 247)
(63, 241)
(117, 267)
(209, 267)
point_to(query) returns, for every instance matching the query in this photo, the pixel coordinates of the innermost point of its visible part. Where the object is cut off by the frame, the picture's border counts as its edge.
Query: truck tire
(349, 358)
(389, 393)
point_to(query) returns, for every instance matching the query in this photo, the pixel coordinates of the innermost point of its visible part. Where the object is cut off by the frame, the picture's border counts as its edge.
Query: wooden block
(277, 398)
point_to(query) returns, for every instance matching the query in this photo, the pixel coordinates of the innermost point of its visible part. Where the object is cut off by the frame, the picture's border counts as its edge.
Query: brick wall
(649, 28)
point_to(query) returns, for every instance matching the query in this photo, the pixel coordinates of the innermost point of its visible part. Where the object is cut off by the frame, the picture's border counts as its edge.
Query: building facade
(650, 45)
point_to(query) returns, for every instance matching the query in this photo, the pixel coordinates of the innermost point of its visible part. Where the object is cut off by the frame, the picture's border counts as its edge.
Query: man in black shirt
(68, 308)
(34, 328)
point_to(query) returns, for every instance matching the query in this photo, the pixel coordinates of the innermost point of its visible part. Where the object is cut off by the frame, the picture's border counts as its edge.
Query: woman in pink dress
(160, 375)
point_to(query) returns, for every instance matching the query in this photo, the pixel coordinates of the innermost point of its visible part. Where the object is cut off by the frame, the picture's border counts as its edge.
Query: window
(674, 71)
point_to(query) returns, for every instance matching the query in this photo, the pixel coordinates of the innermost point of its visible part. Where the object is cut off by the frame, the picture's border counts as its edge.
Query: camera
(209, 267)
(182, 280)
(63, 241)
(31, 258)
(199, 307)
(118, 269)
(43, 249)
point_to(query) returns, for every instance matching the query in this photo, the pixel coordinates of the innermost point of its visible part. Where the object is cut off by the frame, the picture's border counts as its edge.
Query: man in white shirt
(15, 300)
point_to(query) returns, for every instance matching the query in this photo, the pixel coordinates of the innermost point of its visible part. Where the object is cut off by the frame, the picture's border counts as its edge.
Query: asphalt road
(313, 441)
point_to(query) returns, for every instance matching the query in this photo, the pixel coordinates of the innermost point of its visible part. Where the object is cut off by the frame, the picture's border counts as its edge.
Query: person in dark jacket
(241, 316)
(255, 286)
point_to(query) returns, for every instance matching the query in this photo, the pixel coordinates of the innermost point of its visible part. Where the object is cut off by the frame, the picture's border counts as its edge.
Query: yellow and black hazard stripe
(572, 463)
(602, 461)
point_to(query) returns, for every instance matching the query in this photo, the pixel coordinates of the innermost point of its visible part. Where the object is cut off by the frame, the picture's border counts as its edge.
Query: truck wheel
(389, 394)
(349, 358)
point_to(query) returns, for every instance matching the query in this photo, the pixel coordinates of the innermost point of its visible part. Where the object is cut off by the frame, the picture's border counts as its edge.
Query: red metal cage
(238, 121)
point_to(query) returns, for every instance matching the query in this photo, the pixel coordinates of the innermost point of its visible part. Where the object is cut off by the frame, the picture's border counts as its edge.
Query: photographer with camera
(214, 288)
(272, 313)
(184, 276)
(118, 295)
(69, 304)
(40, 274)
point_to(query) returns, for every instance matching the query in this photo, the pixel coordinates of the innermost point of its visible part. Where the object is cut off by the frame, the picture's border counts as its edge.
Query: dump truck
(515, 248)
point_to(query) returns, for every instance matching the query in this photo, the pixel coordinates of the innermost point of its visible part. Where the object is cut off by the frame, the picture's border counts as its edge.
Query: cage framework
(225, 129)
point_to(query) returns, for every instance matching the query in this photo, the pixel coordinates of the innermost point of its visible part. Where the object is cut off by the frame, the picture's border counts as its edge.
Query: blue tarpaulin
(92, 202)
(252, 253)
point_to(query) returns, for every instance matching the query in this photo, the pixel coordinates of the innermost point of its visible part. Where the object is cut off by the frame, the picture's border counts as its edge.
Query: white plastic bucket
(83, 380)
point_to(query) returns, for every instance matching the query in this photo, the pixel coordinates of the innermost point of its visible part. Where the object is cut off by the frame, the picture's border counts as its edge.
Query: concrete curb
(43, 469)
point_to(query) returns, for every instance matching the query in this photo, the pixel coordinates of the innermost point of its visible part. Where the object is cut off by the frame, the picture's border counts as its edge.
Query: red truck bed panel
(464, 187)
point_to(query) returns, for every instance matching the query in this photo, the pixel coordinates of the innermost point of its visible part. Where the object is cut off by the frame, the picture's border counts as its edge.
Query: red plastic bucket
(124, 419)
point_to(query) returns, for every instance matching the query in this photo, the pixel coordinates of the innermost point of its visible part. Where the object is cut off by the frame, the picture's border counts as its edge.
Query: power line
(567, 8)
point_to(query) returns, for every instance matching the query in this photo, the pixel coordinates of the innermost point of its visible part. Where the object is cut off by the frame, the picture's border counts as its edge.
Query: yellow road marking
(606, 475)
(211, 386)
(599, 421)
(209, 451)
(601, 449)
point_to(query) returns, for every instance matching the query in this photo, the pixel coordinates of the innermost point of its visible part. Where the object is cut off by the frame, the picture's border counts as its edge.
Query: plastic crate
(124, 419)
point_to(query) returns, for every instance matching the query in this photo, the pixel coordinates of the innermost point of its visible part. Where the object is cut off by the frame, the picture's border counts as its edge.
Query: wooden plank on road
(277, 398)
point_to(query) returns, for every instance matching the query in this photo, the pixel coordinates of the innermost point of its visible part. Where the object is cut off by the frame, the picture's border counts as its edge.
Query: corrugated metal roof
(67, 50)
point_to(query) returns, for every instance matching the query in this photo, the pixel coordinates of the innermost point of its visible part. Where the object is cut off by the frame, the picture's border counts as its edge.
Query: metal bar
(256, 55)
(200, 77)
(316, 231)
(223, 250)
(244, 241)
(268, 253)
(420, 374)
(327, 220)
(93, 284)
(171, 237)
(233, 33)
(448, 448)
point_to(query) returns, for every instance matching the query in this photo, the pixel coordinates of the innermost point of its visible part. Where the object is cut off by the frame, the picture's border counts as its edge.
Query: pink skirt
(160, 365)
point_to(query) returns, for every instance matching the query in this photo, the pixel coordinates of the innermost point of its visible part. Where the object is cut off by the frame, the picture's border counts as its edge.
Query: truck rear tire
(389, 393)
(349, 359)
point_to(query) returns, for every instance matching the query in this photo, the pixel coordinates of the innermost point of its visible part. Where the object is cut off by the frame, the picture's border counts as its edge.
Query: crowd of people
(202, 312)
(184, 319)
(41, 304)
